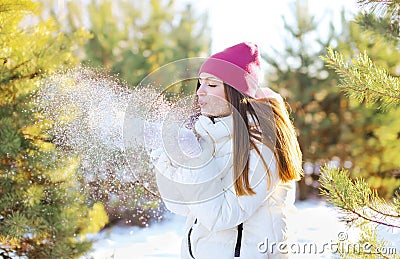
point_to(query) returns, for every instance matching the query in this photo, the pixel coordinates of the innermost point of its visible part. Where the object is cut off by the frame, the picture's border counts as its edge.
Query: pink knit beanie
(238, 66)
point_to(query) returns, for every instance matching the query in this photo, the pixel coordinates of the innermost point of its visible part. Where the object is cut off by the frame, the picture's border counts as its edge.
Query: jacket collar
(221, 128)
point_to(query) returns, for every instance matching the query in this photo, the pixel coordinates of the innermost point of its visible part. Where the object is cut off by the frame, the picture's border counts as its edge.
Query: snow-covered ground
(317, 224)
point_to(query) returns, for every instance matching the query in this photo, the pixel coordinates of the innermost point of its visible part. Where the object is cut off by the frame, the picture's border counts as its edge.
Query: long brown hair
(272, 126)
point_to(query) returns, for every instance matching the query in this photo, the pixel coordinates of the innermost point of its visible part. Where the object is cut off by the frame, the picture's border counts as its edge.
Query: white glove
(186, 139)
(184, 149)
(188, 143)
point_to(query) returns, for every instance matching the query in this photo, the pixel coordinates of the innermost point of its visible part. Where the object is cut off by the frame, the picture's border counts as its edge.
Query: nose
(201, 91)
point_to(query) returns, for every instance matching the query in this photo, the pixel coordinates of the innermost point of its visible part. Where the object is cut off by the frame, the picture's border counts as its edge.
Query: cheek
(217, 97)
(220, 93)
(222, 102)
(217, 106)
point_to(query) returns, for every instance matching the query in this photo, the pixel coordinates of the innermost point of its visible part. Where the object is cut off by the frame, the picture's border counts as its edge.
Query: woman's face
(211, 96)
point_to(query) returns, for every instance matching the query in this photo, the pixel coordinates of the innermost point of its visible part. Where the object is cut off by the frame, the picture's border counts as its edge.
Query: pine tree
(333, 127)
(130, 40)
(366, 81)
(310, 89)
(42, 213)
(368, 131)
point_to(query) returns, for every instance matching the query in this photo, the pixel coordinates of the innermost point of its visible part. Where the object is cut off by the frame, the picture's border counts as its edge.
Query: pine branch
(23, 6)
(382, 26)
(397, 215)
(8, 247)
(368, 235)
(380, 203)
(381, 18)
(363, 80)
(380, 8)
(354, 197)
(354, 211)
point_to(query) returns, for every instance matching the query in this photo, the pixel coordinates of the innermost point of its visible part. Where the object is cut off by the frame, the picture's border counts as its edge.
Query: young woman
(238, 192)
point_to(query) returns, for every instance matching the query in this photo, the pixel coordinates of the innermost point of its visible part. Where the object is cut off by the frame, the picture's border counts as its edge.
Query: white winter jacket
(206, 196)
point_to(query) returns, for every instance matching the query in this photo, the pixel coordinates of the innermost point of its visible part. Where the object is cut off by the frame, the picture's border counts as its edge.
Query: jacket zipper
(189, 244)
(239, 240)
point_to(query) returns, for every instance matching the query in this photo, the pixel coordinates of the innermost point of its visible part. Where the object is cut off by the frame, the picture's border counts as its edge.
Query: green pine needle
(365, 81)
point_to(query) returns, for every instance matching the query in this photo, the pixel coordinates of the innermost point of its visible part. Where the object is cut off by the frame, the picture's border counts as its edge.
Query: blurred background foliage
(133, 38)
(332, 128)
(368, 193)
(130, 39)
